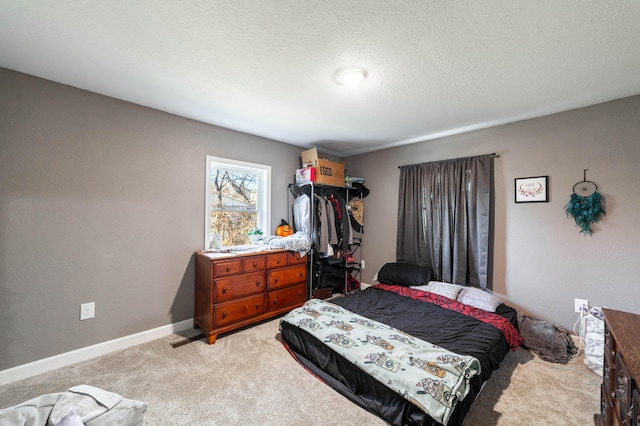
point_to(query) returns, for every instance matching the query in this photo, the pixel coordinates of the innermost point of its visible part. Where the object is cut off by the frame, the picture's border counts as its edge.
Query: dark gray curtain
(443, 218)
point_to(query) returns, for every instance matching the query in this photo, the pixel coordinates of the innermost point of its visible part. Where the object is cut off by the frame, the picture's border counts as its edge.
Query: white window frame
(264, 191)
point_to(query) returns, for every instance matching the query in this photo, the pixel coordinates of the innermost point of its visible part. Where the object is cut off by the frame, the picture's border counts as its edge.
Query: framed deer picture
(532, 189)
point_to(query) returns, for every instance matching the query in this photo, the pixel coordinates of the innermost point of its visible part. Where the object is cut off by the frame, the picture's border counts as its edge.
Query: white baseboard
(62, 360)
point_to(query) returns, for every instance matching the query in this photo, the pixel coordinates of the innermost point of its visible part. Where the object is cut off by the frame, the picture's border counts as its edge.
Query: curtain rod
(493, 155)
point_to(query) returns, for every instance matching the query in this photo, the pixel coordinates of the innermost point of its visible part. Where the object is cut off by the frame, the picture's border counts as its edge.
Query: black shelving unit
(345, 264)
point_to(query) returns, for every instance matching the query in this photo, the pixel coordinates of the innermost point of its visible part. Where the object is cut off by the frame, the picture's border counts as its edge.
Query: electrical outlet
(87, 311)
(362, 264)
(581, 305)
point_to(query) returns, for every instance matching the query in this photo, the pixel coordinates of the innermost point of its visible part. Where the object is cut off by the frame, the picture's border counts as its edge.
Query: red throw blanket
(509, 330)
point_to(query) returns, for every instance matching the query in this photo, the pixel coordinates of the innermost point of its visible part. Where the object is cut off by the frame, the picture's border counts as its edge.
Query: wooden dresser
(233, 291)
(619, 394)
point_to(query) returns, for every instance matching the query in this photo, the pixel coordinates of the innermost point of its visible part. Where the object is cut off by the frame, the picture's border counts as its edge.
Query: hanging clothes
(331, 215)
(347, 232)
(337, 219)
(323, 225)
(302, 213)
(330, 226)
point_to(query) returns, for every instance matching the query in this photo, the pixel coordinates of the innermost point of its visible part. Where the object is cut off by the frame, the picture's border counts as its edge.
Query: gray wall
(102, 200)
(541, 261)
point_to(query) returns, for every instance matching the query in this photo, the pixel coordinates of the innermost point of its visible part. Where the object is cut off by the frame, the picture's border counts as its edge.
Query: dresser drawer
(238, 286)
(286, 297)
(283, 277)
(609, 344)
(277, 260)
(608, 375)
(635, 419)
(624, 387)
(222, 268)
(606, 406)
(254, 263)
(609, 368)
(295, 258)
(237, 310)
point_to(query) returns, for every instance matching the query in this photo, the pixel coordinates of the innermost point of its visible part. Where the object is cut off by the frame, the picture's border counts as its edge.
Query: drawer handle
(224, 315)
(228, 268)
(257, 306)
(255, 264)
(275, 301)
(299, 293)
(258, 283)
(275, 280)
(278, 262)
(224, 290)
(300, 274)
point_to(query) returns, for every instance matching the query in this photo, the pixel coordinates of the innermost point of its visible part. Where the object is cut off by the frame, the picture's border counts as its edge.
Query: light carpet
(248, 378)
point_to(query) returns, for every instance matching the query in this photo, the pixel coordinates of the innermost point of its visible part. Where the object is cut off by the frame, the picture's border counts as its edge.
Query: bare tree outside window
(233, 210)
(237, 197)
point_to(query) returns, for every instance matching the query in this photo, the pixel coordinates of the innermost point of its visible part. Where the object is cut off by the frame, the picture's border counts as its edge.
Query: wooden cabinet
(619, 397)
(233, 291)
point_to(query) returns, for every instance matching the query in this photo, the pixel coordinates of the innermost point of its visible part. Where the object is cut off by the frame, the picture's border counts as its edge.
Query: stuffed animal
(284, 229)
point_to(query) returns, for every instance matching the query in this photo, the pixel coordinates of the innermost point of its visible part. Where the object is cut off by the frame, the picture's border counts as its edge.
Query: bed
(411, 353)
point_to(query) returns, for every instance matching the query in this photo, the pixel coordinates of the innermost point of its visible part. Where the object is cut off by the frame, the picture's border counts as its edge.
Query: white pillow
(479, 298)
(443, 289)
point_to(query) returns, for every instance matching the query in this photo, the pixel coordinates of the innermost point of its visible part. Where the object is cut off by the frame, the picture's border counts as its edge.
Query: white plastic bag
(594, 340)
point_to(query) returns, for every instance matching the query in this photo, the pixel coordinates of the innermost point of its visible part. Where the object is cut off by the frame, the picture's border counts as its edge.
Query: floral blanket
(429, 376)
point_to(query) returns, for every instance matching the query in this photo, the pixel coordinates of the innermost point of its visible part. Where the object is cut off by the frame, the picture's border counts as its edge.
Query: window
(237, 200)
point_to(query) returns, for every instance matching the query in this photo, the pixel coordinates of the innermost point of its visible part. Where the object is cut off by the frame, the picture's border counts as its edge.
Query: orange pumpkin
(284, 229)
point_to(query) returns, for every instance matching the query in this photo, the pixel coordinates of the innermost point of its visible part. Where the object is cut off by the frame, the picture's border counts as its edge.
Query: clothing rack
(311, 189)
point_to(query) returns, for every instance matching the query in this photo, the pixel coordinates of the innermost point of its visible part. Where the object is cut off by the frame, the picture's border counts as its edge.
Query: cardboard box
(306, 175)
(327, 172)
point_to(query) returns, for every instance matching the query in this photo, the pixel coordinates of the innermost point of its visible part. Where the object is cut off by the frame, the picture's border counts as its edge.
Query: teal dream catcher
(586, 206)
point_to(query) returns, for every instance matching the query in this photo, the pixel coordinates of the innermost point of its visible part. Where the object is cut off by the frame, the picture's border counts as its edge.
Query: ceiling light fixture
(350, 76)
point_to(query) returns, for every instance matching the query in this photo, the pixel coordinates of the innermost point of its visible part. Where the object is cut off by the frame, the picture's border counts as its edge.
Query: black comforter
(454, 331)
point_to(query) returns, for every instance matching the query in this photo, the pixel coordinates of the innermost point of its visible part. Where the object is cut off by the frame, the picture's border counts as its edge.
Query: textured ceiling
(265, 66)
